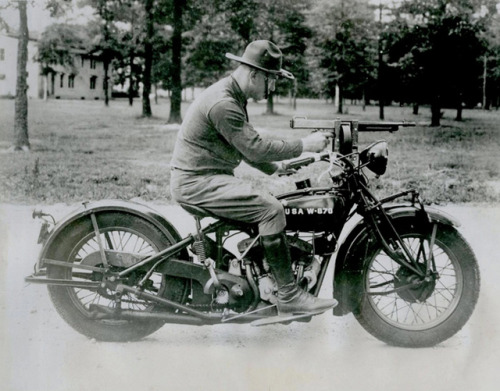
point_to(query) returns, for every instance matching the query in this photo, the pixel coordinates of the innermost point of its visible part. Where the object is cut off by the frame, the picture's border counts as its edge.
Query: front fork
(390, 240)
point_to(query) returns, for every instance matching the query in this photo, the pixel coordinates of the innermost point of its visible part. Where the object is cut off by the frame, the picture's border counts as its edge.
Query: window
(83, 61)
(93, 80)
(71, 81)
(2, 54)
(62, 81)
(92, 63)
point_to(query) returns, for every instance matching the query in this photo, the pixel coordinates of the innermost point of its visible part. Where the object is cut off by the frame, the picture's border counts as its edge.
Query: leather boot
(291, 298)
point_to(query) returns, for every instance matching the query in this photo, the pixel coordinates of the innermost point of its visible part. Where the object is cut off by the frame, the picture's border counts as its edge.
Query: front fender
(121, 206)
(348, 264)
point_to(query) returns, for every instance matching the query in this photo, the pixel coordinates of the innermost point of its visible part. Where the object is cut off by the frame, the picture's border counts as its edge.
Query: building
(85, 80)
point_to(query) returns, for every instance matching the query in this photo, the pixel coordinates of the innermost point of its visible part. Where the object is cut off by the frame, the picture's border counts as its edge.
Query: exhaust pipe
(102, 312)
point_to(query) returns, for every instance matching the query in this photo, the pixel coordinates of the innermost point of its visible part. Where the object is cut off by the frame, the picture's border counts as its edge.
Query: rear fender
(121, 206)
(349, 262)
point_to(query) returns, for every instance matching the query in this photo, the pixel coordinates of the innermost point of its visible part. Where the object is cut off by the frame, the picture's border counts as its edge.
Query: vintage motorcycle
(118, 270)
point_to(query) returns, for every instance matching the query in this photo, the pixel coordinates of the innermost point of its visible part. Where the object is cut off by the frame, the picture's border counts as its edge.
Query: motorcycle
(118, 270)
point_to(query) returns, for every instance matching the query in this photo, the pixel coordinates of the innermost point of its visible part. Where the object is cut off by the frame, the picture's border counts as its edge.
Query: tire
(426, 315)
(121, 232)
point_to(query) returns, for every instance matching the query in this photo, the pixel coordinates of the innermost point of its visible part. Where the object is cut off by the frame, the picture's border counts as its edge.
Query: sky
(38, 17)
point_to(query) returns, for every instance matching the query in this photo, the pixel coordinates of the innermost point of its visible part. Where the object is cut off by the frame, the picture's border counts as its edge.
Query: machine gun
(347, 130)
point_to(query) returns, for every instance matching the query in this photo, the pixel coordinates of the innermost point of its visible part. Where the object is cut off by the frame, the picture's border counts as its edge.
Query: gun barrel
(362, 126)
(382, 126)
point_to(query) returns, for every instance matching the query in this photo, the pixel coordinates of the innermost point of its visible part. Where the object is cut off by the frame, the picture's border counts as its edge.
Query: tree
(176, 98)
(56, 47)
(342, 50)
(148, 58)
(105, 34)
(229, 25)
(295, 35)
(21, 136)
(211, 30)
(444, 36)
(21, 139)
(283, 22)
(128, 59)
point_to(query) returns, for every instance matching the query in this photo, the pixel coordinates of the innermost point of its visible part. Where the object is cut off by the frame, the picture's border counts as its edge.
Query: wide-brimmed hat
(263, 55)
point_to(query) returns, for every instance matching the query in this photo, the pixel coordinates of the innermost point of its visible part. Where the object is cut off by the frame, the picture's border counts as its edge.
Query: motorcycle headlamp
(374, 157)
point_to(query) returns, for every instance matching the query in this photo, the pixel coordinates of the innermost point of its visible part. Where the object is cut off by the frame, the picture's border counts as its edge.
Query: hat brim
(281, 72)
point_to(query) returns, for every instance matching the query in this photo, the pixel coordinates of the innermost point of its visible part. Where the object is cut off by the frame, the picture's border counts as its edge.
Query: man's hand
(315, 142)
(282, 171)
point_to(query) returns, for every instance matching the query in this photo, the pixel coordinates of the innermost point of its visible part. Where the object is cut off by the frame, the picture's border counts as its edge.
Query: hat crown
(263, 54)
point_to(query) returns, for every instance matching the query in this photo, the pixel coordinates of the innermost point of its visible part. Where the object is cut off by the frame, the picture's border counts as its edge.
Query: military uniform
(214, 138)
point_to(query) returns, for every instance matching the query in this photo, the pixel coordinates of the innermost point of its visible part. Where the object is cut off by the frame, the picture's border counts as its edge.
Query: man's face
(264, 84)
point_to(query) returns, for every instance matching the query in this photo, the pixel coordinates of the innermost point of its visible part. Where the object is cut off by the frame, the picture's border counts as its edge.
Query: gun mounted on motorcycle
(118, 270)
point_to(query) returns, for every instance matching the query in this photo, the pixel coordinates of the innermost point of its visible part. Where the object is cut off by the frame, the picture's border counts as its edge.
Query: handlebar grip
(297, 163)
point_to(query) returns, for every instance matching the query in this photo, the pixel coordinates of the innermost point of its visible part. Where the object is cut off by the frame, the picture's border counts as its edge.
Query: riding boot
(291, 298)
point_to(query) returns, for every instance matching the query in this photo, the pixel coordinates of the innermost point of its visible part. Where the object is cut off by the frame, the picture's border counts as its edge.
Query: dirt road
(39, 352)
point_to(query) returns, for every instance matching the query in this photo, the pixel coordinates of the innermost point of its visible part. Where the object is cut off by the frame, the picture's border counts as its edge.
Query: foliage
(57, 44)
(439, 51)
(342, 53)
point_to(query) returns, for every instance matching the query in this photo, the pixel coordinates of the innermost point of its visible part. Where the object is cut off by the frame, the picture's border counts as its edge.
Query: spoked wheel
(403, 309)
(119, 232)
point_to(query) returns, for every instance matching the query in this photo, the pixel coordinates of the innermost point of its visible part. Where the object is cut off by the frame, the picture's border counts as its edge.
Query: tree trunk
(340, 99)
(106, 80)
(380, 81)
(148, 60)
(485, 76)
(270, 104)
(176, 99)
(436, 112)
(131, 81)
(45, 86)
(294, 95)
(381, 114)
(21, 139)
(459, 108)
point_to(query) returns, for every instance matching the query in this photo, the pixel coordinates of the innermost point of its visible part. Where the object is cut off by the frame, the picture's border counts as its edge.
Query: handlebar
(301, 162)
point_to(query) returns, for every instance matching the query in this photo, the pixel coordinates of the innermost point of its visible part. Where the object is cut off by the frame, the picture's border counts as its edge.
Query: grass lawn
(82, 150)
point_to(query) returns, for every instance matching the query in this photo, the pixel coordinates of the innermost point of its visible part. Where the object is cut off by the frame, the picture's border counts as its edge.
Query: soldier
(215, 137)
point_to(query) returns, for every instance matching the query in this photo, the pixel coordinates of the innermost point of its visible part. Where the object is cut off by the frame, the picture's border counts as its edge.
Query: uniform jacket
(215, 135)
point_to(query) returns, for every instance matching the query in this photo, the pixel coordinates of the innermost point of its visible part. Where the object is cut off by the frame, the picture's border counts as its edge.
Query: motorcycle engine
(302, 253)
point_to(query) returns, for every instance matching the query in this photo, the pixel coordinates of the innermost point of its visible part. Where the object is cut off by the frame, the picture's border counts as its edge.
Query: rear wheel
(402, 309)
(118, 232)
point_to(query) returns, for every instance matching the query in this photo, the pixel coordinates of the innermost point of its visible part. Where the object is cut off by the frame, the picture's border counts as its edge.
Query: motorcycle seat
(197, 211)
(200, 213)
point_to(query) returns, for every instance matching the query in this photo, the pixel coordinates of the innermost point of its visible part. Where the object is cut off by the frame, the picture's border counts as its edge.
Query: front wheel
(402, 309)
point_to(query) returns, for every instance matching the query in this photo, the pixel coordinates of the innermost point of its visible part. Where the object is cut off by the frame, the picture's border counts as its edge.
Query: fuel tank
(315, 210)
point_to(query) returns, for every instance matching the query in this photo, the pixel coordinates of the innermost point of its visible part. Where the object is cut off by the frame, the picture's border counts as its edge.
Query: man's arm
(230, 121)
